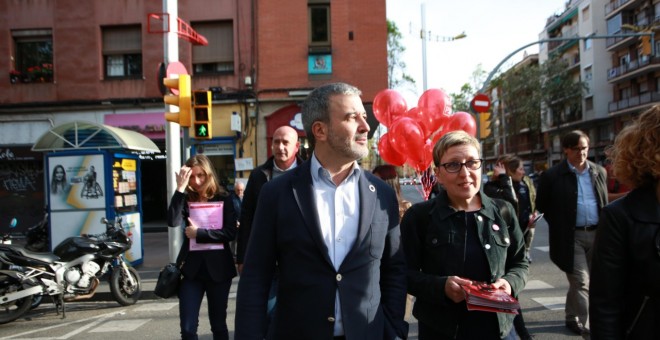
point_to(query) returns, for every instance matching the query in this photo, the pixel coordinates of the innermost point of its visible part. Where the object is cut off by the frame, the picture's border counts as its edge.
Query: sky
(494, 29)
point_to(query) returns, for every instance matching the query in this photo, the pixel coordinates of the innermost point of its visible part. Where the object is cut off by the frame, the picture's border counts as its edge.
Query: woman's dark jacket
(219, 263)
(433, 237)
(624, 293)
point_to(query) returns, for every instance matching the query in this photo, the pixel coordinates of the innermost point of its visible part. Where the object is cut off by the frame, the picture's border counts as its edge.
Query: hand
(191, 230)
(502, 284)
(453, 288)
(182, 178)
(498, 169)
(532, 216)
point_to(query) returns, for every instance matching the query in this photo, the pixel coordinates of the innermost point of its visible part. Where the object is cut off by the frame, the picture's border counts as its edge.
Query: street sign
(480, 103)
(175, 67)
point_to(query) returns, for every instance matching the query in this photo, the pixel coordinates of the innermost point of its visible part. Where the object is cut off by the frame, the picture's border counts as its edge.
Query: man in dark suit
(571, 194)
(332, 230)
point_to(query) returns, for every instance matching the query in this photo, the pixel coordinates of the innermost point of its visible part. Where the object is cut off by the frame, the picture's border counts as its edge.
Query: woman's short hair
(453, 138)
(636, 151)
(510, 162)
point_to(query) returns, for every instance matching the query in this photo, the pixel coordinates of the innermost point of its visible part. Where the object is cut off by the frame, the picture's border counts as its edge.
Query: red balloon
(435, 105)
(418, 116)
(387, 152)
(462, 121)
(406, 136)
(389, 105)
(423, 159)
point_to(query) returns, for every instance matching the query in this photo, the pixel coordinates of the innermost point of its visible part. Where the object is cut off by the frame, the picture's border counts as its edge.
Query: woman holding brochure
(204, 209)
(458, 242)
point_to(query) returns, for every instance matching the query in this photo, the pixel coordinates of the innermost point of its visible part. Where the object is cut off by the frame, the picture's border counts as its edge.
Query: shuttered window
(218, 55)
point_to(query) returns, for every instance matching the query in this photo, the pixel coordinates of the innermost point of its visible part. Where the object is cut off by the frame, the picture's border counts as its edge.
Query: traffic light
(202, 115)
(182, 99)
(484, 125)
(645, 45)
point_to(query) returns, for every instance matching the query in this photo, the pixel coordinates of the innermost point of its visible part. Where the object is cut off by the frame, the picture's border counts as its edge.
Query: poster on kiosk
(83, 188)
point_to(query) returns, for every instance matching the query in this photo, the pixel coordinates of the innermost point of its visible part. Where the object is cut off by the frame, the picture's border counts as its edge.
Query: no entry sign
(480, 103)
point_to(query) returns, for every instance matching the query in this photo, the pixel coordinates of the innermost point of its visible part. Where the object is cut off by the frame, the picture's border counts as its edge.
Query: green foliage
(396, 67)
(526, 90)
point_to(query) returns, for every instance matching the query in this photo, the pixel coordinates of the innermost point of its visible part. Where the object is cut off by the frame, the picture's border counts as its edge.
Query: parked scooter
(70, 273)
(8, 239)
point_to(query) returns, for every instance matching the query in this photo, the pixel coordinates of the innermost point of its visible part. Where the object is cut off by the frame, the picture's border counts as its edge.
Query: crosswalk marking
(127, 325)
(552, 303)
(158, 306)
(537, 284)
(543, 249)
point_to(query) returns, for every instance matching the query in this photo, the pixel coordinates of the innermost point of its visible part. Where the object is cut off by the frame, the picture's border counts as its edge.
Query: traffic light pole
(172, 130)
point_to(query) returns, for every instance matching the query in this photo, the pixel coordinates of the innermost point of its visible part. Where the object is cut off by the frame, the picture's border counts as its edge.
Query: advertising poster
(75, 223)
(76, 182)
(124, 183)
(131, 224)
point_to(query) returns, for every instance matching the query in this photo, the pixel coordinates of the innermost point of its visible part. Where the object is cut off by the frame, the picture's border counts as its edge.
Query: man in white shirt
(332, 230)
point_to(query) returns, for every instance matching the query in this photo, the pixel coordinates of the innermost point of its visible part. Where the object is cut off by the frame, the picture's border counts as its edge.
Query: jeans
(577, 298)
(191, 293)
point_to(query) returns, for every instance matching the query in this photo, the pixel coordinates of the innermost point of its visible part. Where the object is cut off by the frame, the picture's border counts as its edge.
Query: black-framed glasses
(452, 167)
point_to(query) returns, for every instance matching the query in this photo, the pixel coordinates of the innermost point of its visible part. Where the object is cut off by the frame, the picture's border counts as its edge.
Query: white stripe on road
(120, 325)
(537, 284)
(552, 303)
(543, 249)
(159, 306)
(100, 318)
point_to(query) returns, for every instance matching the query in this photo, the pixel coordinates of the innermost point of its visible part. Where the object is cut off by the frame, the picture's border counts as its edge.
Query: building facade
(102, 62)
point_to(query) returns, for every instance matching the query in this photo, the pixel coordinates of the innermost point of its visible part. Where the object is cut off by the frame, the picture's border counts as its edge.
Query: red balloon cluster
(412, 133)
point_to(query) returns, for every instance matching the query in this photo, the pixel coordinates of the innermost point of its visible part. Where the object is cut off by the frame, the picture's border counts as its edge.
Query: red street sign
(174, 67)
(480, 103)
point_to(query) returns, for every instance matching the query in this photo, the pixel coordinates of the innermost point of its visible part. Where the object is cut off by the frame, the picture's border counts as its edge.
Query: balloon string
(427, 180)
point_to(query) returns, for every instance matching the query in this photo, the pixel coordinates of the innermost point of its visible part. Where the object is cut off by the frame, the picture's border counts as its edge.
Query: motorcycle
(71, 273)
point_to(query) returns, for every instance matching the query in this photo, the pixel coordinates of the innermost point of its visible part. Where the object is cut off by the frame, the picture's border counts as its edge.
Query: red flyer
(481, 296)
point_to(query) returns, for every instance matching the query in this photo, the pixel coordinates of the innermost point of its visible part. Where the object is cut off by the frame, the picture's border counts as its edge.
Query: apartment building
(101, 62)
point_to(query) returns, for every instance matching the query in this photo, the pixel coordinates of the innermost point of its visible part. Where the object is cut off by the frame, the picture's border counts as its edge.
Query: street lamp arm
(625, 35)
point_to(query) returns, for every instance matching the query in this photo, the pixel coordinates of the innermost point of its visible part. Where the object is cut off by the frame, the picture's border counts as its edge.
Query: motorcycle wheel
(121, 289)
(12, 310)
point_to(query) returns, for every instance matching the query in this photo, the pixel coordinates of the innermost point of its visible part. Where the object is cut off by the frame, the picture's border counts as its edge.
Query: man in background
(236, 200)
(571, 194)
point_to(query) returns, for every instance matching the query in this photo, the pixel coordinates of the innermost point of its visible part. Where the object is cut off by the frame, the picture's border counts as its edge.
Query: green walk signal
(202, 117)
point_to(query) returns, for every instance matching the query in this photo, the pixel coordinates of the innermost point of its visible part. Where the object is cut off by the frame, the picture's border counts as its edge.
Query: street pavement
(155, 318)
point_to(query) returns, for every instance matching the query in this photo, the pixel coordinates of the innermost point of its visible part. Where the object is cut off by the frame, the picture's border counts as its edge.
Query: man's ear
(320, 131)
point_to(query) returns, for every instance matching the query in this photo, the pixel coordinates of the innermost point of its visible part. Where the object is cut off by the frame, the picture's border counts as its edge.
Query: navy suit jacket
(371, 280)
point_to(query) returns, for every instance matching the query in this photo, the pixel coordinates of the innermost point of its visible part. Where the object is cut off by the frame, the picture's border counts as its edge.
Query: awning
(80, 135)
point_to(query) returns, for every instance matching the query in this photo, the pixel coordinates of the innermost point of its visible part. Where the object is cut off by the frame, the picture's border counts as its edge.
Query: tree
(526, 90)
(461, 101)
(396, 67)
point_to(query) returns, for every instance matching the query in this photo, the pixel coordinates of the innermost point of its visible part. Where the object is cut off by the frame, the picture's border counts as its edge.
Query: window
(588, 74)
(218, 56)
(122, 51)
(587, 44)
(585, 14)
(319, 25)
(589, 103)
(33, 56)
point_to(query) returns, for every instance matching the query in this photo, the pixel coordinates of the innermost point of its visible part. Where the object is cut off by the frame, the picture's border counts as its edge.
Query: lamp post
(424, 35)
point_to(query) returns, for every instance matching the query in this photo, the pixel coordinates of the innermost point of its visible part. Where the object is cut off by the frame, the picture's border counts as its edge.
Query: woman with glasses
(458, 238)
(624, 298)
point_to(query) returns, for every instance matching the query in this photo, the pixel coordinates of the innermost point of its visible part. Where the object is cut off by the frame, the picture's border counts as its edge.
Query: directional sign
(480, 103)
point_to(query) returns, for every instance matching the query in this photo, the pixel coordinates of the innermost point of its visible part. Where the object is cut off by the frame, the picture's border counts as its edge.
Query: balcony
(632, 69)
(613, 6)
(633, 102)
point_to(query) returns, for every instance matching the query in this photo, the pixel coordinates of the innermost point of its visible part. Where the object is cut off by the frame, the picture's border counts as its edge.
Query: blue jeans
(191, 293)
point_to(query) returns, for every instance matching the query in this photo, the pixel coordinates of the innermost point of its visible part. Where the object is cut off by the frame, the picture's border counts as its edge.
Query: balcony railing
(614, 5)
(626, 103)
(630, 67)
